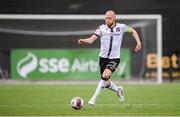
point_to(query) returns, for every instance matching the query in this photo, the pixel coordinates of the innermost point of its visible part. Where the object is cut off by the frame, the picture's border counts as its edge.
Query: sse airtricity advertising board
(62, 64)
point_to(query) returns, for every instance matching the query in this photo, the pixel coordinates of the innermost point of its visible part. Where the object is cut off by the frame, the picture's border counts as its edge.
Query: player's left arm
(136, 37)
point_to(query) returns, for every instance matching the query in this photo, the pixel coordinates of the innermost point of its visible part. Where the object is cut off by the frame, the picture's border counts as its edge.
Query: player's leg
(117, 89)
(102, 83)
(111, 66)
(110, 85)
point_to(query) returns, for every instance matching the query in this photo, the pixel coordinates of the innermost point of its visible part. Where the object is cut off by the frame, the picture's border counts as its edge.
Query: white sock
(102, 84)
(113, 87)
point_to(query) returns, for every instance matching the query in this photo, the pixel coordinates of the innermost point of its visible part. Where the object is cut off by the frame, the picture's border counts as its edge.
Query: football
(77, 102)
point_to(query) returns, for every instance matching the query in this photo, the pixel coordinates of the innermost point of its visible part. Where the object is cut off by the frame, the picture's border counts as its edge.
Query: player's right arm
(88, 40)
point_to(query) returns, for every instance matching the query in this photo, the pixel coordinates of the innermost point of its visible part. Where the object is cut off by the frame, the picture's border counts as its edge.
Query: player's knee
(105, 76)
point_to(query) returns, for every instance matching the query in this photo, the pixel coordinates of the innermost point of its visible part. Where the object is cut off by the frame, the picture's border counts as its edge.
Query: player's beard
(110, 24)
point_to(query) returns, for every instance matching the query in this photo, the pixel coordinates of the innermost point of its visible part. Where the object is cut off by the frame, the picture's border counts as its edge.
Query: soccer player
(110, 35)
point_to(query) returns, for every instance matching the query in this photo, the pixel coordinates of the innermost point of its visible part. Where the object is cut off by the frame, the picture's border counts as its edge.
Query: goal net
(45, 36)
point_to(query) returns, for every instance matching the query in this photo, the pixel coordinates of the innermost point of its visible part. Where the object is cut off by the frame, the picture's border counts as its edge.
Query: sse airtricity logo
(61, 64)
(27, 65)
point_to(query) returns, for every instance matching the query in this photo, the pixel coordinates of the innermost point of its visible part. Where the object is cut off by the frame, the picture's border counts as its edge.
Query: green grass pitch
(52, 100)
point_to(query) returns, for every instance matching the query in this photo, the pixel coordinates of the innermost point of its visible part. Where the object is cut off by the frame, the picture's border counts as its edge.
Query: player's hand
(80, 41)
(138, 47)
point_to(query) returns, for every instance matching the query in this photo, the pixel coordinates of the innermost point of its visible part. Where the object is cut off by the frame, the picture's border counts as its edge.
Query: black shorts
(110, 64)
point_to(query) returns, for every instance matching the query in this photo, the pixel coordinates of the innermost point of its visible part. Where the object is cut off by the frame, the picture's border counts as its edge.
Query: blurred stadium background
(38, 42)
(63, 34)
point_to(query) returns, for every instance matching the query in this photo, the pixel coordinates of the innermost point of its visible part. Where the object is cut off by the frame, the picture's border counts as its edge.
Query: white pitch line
(4, 105)
(99, 105)
(128, 104)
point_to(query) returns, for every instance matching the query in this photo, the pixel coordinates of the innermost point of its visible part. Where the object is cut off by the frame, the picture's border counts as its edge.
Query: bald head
(111, 13)
(110, 18)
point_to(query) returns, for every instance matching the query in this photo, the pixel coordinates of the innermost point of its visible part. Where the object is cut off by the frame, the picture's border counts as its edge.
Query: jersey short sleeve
(124, 27)
(98, 32)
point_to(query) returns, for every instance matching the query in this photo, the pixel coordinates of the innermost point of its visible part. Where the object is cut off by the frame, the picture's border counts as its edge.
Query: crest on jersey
(118, 29)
